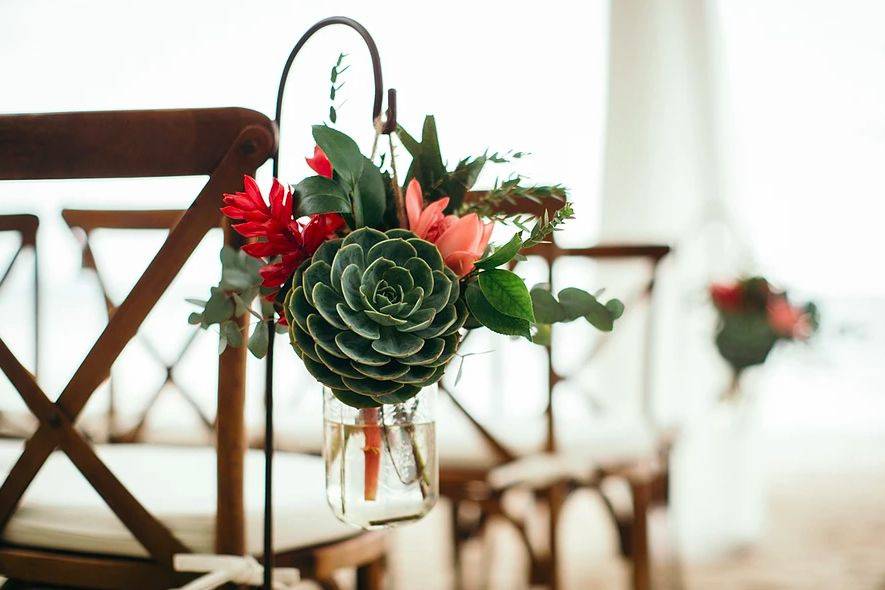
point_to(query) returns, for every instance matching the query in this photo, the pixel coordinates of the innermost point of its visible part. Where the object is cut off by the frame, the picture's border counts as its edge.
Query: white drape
(663, 181)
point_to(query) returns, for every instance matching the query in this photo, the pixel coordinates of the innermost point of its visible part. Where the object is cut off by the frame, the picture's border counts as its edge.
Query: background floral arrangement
(753, 317)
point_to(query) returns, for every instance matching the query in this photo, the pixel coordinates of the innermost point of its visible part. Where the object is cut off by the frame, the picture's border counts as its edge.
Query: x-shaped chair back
(83, 222)
(25, 225)
(550, 253)
(223, 144)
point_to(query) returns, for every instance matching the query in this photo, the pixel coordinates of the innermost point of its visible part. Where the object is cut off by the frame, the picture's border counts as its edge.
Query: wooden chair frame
(26, 226)
(223, 144)
(83, 222)
(470, 484)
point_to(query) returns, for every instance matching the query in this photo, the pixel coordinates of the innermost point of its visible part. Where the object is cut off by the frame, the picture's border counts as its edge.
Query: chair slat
(92, 219)
(120, 144)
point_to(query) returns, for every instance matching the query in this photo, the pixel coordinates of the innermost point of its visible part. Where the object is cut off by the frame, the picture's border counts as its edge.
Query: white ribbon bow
(222, 569)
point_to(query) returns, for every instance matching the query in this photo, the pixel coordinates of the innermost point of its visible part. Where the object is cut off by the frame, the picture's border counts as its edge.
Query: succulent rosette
(375, 316)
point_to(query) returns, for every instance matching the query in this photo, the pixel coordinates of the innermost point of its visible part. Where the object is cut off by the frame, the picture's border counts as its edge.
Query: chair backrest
(550, 253)
(223, 144)
(83, 222)
(652, 254)
(25, 225)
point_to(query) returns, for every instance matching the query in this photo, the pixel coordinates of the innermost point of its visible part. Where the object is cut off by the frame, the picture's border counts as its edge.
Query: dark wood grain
(119, 144)
(91, 219)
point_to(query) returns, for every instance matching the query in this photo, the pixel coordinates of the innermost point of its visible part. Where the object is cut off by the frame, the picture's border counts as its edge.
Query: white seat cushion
(60, 510)
(602, 441)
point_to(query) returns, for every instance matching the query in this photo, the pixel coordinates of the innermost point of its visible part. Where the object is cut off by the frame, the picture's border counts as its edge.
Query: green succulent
(375, 316)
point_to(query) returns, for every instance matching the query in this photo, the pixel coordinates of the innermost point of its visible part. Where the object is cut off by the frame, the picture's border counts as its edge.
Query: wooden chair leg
(556, 497)
(371, 575)
(639, 550)
(456, 544)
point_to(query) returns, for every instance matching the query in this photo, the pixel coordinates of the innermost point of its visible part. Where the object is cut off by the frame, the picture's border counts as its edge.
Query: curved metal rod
(376, 74)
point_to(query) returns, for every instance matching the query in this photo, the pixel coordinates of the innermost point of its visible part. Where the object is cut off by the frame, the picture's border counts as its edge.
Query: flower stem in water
(371, 452)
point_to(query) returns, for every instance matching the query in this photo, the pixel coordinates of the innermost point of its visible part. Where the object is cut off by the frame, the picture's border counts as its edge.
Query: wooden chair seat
(61, 511)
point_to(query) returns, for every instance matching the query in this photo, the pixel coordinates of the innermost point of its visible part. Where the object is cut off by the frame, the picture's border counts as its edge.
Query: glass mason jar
(381, 463)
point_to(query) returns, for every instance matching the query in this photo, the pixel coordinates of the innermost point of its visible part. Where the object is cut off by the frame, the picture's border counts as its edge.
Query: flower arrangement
(377, 282)
(753, 317)
(376, 285)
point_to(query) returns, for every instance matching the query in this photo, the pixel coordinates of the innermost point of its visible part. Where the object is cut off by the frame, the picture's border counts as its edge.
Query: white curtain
(664, 181)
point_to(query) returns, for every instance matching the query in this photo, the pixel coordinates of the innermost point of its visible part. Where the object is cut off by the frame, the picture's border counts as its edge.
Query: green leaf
(195, 319)
(501, 255)
(577, 302)
(258, 340)
(333, 116)
(427, 165)
(615, 307)
(219, 307)
(232, 332)
(547, 308)
(574, 303)
(543, 334)
(342, 151)
(507, 293)
(318, 194)
(491, 318)
(370, 197)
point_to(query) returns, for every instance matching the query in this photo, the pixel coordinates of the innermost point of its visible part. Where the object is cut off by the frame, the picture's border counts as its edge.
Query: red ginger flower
(727, 297)
(320, 163)
(294, 241)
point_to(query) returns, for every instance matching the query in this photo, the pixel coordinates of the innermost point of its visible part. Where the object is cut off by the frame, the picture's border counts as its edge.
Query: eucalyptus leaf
(616, 307)
(547, 308)
(575, 303)
(231, 331)
(219, 307)
(258, 340)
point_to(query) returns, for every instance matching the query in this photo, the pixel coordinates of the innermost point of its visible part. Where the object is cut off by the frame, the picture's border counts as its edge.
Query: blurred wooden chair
(479, 478)
(25, 225)
(83, 222)
(120, 525)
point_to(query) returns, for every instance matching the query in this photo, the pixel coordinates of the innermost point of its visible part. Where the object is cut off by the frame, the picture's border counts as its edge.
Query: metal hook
(386, 126)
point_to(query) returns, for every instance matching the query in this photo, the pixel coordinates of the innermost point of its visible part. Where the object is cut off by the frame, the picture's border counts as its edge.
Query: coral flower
(727, 297)
(460, 240)
(294, 241)
(788, 321)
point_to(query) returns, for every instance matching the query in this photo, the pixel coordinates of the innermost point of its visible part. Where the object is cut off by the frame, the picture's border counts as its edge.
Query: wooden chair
(555, 476)
(83, 222)
(223, 144)
(25, 225)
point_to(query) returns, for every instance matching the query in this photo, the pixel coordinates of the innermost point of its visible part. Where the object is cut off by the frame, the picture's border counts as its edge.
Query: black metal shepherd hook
(386, 126)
